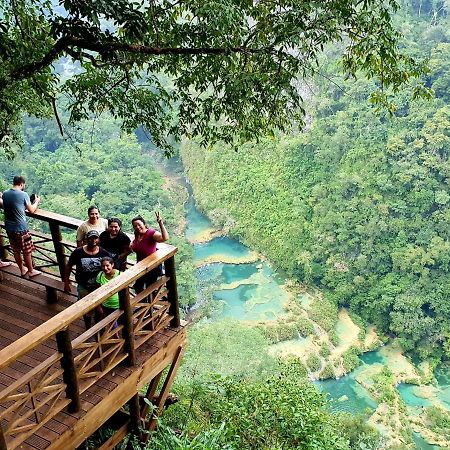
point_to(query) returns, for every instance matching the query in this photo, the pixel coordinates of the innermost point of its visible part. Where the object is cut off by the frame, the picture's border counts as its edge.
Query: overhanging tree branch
(68, 43)
(27, 70)
(188, 54)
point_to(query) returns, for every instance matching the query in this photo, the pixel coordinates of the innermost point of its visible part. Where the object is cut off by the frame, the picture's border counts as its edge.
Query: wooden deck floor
(23, 307)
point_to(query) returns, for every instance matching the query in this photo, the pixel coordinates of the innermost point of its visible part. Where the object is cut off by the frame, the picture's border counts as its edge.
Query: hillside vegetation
(358, 203)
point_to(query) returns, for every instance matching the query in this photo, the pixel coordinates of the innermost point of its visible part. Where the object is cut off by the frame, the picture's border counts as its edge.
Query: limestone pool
(346, 394)
(424, 396)
(246, 288)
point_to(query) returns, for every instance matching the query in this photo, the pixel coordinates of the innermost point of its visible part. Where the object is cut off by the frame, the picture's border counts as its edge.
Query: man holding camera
(15, 202)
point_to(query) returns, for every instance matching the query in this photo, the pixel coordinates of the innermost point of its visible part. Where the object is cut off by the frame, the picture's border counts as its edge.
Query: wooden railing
(51, 249)
(77, 360)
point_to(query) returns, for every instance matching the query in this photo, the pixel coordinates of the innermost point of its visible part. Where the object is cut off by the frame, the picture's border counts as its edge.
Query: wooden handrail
(49, 216)
(81, 307)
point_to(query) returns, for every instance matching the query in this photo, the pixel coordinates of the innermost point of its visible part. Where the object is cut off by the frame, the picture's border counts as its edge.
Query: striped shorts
(21, 242)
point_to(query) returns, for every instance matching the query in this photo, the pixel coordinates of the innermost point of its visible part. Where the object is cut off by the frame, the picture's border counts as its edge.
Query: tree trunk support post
(150, 394)
(3, 445)
(59, 248)
(153, 421)
(69, 372)
(135, 422)
(128, 328)
(174, 308)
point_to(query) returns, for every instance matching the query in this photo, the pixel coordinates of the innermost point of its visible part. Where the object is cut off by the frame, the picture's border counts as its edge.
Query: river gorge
(246, 288)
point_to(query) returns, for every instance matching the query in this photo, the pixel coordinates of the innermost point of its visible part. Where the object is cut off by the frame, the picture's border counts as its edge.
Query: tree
(359, 204)
(282, 410)
(219, 69)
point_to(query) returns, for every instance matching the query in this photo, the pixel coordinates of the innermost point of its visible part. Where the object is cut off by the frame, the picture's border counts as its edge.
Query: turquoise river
(252, 290)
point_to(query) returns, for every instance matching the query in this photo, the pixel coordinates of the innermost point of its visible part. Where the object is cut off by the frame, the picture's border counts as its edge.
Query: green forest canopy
(220, 69)
(358, 205)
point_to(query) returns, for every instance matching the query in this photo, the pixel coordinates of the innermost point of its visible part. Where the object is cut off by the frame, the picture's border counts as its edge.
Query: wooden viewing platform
(60, 383)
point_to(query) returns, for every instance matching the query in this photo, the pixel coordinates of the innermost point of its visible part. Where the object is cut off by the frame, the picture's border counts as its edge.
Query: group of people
(102, 252)
(102, 246)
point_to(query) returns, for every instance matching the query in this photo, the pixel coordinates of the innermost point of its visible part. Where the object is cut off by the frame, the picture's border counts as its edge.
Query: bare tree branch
(66, 44)
(58, 120)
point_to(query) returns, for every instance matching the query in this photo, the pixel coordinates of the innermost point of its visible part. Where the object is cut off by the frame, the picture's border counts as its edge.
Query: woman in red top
(144, 244)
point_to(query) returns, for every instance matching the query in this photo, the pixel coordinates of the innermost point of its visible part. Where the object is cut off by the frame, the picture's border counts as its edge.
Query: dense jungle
(345, 223)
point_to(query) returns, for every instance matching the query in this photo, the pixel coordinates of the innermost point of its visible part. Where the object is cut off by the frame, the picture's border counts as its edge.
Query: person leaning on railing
(144, 244)
(15, 202)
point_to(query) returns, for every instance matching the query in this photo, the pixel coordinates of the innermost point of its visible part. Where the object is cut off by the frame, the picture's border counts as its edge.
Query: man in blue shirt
(15, 202)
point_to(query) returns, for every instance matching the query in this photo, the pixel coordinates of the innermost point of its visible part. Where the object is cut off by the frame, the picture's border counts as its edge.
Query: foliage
(217, 69)
(360, 435)
(327, 372)
(313, 362)
(304, 327)
(278, 332)
(281, 411)
(324, 350)
(384, 386)
(357, 205)
(226, 348)
(285, 329)
(357, 320)
(334, 337)
(166, 439)
(350, 359)
(438, 420)
(324, 313)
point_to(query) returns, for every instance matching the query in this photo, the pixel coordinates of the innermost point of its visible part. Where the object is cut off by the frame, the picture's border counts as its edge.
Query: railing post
(174, 308)
(69, 371)
(59, 248)
(52, 296)
(128, 329)
(3, 445)
(3, 252)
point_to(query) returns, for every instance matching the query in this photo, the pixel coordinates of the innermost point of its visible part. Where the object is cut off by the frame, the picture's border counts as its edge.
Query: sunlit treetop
(216, 69)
